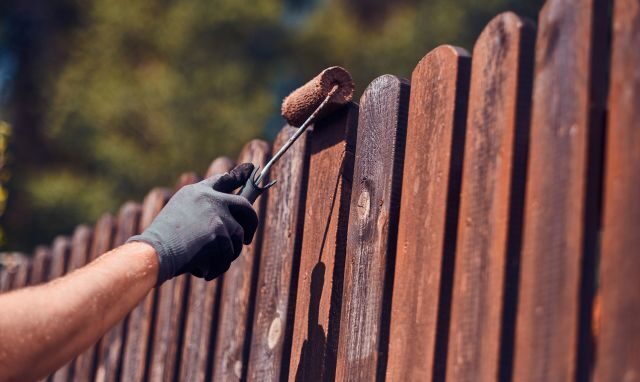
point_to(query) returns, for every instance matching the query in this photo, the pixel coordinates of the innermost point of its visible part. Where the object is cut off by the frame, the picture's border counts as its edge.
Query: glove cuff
(166, 258)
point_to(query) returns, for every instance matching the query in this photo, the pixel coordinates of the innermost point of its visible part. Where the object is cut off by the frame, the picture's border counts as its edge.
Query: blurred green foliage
(113, 97)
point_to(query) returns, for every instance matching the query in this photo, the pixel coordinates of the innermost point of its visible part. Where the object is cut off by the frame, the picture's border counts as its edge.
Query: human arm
(43, 327)
(201, 231)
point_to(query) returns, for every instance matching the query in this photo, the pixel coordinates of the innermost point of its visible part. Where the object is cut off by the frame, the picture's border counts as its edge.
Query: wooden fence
(479, 222)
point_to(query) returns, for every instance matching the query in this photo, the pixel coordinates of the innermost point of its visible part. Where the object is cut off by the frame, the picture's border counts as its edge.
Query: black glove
(202, 227)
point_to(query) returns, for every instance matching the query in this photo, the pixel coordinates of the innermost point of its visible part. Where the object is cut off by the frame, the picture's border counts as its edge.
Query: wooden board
(491, 203)
(80, 247)
(22, 272)
(6, 274)
(220, 166)
(110, 354)
(141, 317)
(282, 237)
(40, 267)
(428, 215)
(238, 291)
(618, 342)
(170, 313)
(60, 252)
(79, 253)
(319, 289)
(202, 312)
(562, 194)
(372, 230)
(13, 274)
(85, 363)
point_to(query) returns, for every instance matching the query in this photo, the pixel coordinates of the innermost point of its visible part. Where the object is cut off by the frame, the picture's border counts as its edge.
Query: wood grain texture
(372, 230)
(319, 290)
(562, 194)
(170, 315)
(491, 202)
(141, 318)
(104, 231)
(202, 312)
(79, 253)
(238, 291)
(110, 355)
(279, 261)
(40, 267)
(618, 343)
(428, 215)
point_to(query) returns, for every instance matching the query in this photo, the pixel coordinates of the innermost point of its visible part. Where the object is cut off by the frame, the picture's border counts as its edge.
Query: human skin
(43, 327)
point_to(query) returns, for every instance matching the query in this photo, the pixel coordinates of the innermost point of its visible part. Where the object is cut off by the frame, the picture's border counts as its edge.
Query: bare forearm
(43, 327)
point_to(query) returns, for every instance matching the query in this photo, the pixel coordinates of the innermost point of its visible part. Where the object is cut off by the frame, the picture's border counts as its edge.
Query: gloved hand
(202, 228)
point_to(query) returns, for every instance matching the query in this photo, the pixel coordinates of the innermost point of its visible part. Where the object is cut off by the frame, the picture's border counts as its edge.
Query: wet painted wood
(139, 328)
(111, 352)
(553, 330)
(618, 340)
(104, 231)
(202, 312)
(491, 203)
(428, 216)
(79, 253)
(238, 291)
(282, 238)
(372, 230)
(319, 288)
(170, 315)
(40, 267)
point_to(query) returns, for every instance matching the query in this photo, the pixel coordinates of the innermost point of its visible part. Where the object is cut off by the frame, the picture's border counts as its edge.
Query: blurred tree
(113, 97)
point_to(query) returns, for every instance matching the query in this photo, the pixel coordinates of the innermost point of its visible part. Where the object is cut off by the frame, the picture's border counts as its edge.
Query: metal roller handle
(252, 189)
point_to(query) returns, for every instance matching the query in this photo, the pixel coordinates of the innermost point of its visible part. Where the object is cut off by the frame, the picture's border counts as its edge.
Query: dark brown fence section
(491, 201)
(474, 224)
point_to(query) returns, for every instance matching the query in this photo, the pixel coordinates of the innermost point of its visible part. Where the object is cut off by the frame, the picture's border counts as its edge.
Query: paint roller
(323, 95)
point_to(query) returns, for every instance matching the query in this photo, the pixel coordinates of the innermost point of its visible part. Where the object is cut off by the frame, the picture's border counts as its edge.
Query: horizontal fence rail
(479, 222)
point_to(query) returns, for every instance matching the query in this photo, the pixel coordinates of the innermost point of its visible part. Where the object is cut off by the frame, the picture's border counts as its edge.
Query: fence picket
(22, 271)
(12, 272)
(562, 194)
(85, 363)
(60, 253)
(110, 353)
(618, 340)
(238, 291)
(277, 277)
(491, 202)
(372, 230)
(40, 267)
(170, 312)
(141, 317)
(80, 246)
(202, 312)
(428, 214)
(317, 308)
